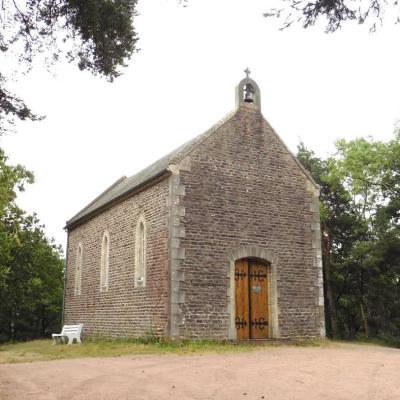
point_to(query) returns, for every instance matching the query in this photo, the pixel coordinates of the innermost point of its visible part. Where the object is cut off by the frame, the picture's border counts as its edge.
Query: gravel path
(281, 373)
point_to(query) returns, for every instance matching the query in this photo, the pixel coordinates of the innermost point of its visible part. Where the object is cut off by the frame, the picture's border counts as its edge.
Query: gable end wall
(244, 188)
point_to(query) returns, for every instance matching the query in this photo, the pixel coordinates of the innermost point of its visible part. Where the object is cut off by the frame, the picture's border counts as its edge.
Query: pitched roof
(124, 185)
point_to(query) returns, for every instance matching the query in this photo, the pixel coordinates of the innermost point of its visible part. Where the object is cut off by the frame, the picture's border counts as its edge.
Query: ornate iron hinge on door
(259, 323)
(240, 323)
(240, 275)
(259, 275)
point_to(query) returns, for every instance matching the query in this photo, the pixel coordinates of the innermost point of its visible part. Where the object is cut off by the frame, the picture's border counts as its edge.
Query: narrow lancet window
(104, 263)
(140, 253)
(78, 270)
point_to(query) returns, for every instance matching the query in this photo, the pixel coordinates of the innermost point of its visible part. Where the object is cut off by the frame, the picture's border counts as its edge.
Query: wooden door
(251, 292)
(242, 299)
(258, 286)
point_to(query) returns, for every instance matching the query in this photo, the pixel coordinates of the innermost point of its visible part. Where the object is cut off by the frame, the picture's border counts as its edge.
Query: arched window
(104, 262)
(140, 253)
(78, 270)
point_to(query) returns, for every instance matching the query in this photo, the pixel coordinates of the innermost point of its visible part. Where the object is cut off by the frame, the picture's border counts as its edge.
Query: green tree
(12, 179)
(97, 34)
(360, 211)
(339, 227)
(32, 297)
(31, 266)
(370, 172)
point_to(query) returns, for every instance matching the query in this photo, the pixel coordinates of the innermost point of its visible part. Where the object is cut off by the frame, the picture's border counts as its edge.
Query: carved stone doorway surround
(267, 256)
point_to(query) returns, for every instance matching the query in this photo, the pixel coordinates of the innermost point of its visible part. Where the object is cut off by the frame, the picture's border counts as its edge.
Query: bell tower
(248, 92)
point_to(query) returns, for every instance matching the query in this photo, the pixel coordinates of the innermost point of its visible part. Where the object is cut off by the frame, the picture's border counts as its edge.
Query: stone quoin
(219, 239)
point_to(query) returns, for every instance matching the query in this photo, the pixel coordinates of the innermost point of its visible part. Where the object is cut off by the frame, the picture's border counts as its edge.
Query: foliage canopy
(335, 12)
(360, 221)
(31, 266)
(97, 34)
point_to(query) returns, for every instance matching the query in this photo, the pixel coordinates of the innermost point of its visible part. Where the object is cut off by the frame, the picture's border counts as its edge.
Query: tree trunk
(329, 291)
(364, 318)
(362, 305)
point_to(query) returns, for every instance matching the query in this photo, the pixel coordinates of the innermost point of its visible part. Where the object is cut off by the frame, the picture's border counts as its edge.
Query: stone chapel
(219, 239)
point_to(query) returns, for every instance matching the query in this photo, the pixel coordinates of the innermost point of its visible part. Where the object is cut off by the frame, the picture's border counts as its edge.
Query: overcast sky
(315, 87)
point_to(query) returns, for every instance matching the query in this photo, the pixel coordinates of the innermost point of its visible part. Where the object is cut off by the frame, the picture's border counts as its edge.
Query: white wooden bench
(70, 332)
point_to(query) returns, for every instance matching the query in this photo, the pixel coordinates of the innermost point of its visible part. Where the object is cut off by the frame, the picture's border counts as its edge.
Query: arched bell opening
(248, 93)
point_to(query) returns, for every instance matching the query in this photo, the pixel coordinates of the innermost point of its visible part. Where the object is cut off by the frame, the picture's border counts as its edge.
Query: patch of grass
(385, 341)
(43, 350)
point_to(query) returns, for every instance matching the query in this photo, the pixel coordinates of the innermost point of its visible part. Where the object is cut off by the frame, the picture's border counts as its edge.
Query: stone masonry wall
(245, 189)
(123, 310)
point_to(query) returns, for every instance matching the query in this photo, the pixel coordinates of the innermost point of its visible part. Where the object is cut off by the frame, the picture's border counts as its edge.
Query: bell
(248, 94)
(249, 97)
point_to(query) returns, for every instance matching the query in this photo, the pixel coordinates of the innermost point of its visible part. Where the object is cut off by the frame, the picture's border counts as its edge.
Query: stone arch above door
(268, 256)
(262, 253)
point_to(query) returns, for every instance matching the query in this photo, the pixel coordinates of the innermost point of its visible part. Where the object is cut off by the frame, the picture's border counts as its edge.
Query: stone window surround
(104, 262)
(78, 270)
(140, 252)
(270, 258)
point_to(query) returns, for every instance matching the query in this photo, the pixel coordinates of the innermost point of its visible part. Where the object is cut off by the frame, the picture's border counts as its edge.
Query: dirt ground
(275, 373)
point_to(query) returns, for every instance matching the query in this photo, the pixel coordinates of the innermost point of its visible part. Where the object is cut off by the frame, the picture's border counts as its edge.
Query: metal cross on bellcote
(247, 72)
